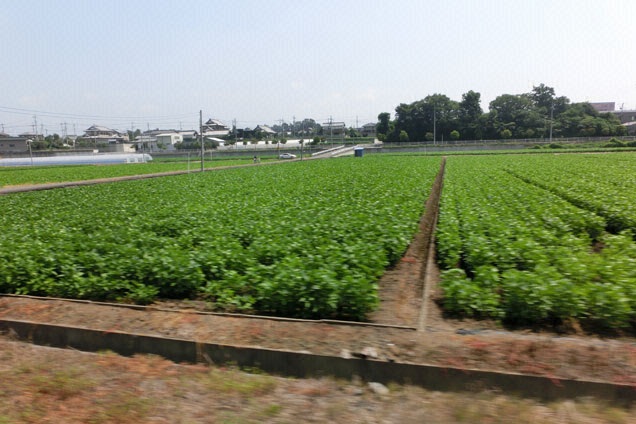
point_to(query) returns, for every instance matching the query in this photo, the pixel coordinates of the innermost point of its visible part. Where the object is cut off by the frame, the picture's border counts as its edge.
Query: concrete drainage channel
(305, 364)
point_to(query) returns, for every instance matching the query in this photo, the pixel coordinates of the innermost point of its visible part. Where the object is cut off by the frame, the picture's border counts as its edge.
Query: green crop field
(540, 238)
(525, 239)
(11, 176)
(304, 239)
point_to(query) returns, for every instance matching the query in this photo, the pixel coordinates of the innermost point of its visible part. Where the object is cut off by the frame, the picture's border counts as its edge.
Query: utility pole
(282, 133)
(235, 132)
(201, 137)
(302, 140)
(551, 116)
(331, 131)
(434, 126)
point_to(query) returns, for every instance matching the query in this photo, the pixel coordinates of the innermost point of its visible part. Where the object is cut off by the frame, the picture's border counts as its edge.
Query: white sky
(156, 63)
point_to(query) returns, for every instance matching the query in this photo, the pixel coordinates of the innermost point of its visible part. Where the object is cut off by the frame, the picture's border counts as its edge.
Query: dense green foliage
(540, 238)
(536, 114)
(55, 174)
(304, 239)
(603, 183)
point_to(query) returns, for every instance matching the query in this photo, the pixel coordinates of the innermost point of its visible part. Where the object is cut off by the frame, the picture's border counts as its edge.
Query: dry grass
(46, 385)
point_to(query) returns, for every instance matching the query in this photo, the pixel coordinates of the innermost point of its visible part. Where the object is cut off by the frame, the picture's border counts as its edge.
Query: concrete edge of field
(306, 364)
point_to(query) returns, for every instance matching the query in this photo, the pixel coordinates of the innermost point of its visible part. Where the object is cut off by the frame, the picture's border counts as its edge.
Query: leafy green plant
(264, 239)
(528, 239)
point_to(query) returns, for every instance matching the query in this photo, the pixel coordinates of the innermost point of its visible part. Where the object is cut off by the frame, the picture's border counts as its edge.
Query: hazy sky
(156, 63)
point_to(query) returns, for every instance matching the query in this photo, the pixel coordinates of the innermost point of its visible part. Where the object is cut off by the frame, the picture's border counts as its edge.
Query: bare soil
(46, 385)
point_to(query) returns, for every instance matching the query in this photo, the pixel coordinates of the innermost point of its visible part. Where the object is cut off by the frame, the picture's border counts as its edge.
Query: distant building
(628, 119)
(631, 127)
(334, 129)
(214, 125)
(215, 128)
(13, 144)
(626, 116)
(31, 136)
(168, 140)
(159, 139)
(368, 130)
(264, 130)
(604, 106)
(104, 135)
(188, 136)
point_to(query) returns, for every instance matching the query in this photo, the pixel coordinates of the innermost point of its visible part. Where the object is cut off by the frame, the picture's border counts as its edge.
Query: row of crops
(303, 239)
(540, 238)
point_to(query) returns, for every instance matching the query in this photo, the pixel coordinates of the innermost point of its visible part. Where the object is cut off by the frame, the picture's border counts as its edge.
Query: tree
(542, 96)
(435, 112)
(53, 141)
(517, 114)
(454, 135)
(469, 113)
(581, 119)
(507, 108)
(382, 127)
(404, 137)
(305, 127)
(132, 135)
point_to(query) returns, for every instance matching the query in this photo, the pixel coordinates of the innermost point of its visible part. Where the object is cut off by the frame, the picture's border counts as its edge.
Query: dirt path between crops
(414, 329)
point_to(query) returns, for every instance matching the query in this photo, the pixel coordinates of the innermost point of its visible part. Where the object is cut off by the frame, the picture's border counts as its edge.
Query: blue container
(358, 152)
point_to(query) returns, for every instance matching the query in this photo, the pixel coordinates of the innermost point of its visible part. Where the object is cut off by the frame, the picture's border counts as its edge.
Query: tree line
(537, 114)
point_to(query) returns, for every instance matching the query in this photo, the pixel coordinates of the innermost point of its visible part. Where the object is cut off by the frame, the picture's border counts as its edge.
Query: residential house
(13, 144)
(215, 128)
(168, 140)
(334, 129)
(368, 130)
(188, 136)
(103, 135)
(264, 131)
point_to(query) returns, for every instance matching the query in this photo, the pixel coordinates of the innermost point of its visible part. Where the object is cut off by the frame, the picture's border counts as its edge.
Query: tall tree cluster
(527, 115)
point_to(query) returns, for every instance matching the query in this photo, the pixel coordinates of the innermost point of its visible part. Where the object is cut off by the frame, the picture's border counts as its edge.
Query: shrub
(614, 142)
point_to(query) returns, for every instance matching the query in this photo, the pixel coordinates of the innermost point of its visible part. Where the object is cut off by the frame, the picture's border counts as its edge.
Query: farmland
(540, 239)
(306, 239)
(10, 176)
(522, 239)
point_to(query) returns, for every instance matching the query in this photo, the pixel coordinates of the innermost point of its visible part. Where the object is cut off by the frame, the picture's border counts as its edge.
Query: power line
(20, 111)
